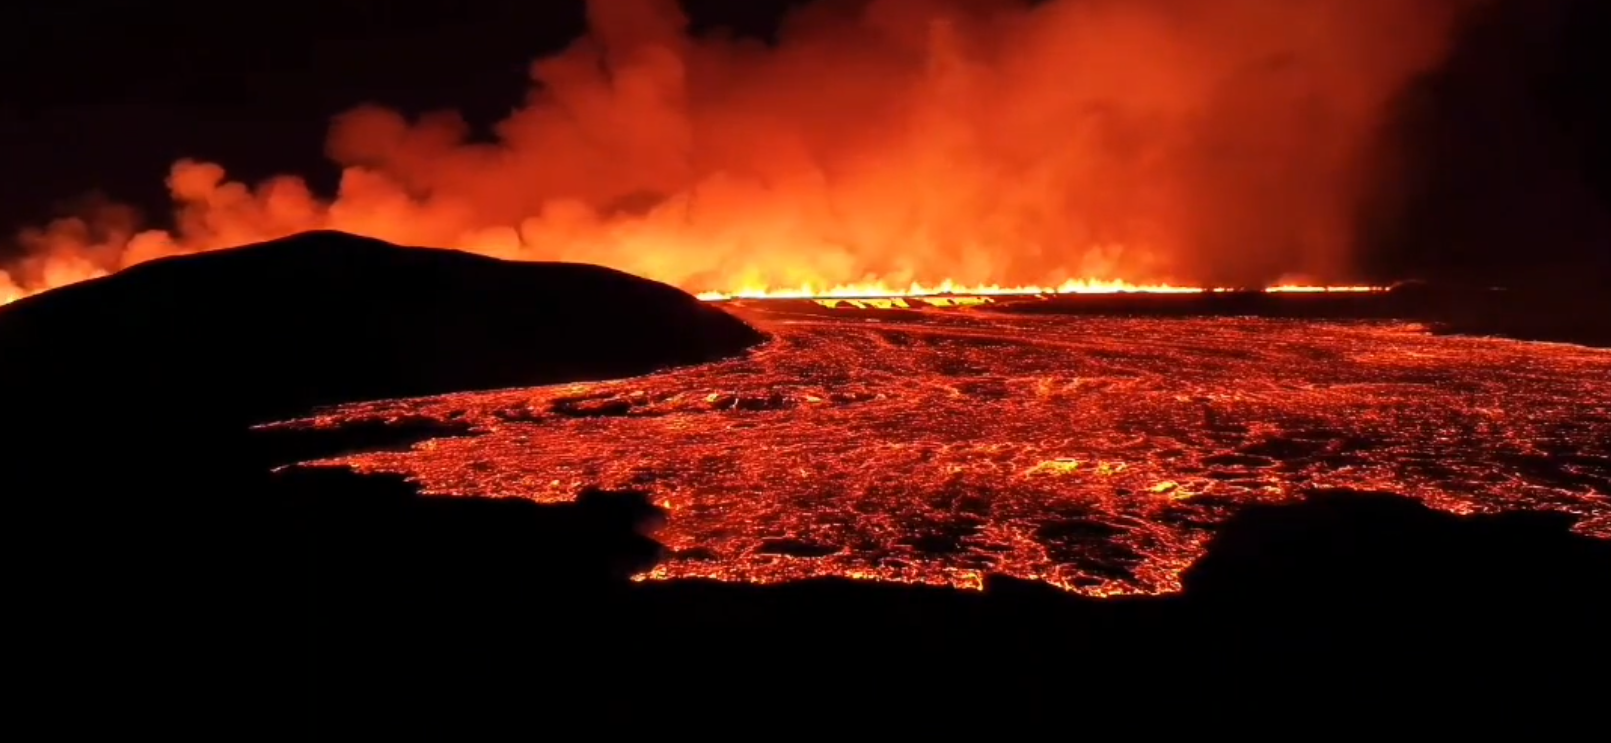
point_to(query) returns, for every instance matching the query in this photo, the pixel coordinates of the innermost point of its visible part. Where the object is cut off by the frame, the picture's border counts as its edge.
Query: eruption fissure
(1080, 145)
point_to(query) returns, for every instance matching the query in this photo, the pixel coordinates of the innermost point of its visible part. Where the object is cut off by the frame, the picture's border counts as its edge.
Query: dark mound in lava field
(1577, 312)
(324, 317)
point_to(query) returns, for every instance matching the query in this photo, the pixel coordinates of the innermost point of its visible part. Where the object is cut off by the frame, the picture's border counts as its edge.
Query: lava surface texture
(1097, 454)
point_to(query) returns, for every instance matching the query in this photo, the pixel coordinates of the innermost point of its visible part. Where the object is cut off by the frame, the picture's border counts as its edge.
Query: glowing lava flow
(1097, 454)
(880, 289)
(948, 287)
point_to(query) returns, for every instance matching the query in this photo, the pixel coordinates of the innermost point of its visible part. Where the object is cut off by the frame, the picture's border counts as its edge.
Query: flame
(879, 289)
(949, 287)
(1302, 289)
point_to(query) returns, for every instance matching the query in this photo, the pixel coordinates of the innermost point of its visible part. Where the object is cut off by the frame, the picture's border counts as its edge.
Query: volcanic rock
(274, 329)
(131, 464)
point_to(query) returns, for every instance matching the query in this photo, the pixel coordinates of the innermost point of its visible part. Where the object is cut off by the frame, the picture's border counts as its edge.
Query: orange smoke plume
(888, 142)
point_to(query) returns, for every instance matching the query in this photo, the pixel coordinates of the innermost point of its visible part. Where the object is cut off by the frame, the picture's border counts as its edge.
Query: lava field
(1096, 454)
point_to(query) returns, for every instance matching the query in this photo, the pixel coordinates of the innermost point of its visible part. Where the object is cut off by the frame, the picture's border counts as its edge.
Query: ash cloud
(987, 141)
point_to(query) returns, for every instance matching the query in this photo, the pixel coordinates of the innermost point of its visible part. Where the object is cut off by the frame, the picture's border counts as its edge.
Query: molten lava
(952, 288)
(1093, 453)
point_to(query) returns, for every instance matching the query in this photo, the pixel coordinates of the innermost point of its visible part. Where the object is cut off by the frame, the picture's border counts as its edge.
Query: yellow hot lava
(950, 287)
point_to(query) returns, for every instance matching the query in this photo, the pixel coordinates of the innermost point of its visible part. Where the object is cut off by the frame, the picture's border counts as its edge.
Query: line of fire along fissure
(892, 303)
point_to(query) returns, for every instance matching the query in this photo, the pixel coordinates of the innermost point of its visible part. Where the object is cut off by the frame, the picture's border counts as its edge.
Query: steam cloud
(988, 141)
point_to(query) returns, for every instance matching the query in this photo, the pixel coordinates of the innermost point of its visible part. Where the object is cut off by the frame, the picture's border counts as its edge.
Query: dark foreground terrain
(158, 554)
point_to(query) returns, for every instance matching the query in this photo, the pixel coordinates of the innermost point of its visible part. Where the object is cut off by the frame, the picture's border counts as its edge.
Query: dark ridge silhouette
(271, 330)
(1577, 311)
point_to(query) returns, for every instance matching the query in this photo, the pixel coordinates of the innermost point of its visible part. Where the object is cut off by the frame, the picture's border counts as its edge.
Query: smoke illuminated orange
(878, 147)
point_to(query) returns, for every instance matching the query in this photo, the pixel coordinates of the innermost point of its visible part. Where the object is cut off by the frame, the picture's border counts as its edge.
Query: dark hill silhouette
(1576, 310)
(145, 511)
(273, 329)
